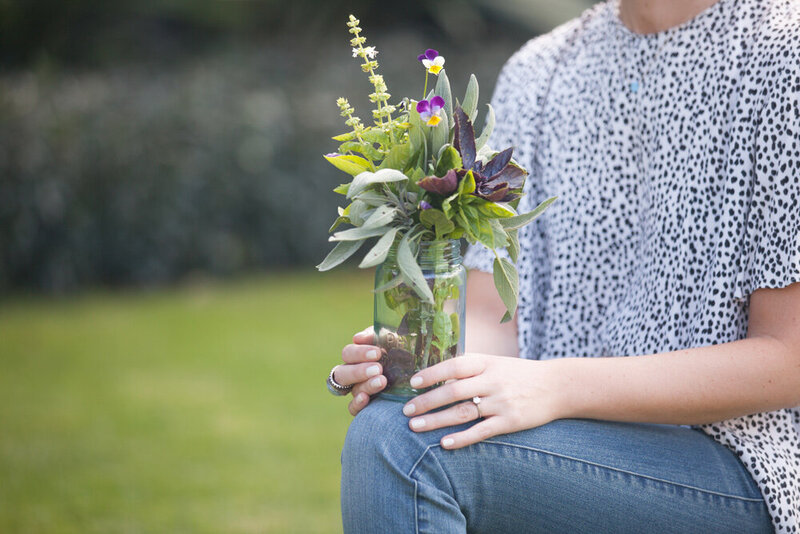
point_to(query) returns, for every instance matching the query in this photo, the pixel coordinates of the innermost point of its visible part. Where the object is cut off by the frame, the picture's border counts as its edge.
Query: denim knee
(379, 434)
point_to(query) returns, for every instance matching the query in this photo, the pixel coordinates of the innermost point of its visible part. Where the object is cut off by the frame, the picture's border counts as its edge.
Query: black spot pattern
(675, 202)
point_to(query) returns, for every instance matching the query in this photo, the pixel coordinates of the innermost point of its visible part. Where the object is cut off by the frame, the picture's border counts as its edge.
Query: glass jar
(414, 334)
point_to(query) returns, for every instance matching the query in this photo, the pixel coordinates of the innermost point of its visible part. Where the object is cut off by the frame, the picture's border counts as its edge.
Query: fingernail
(409, 409)
(373, 370)
(416, 381)
(417, 423)
(446, 442)
(375, 382)
(372, 354)
(362, 398)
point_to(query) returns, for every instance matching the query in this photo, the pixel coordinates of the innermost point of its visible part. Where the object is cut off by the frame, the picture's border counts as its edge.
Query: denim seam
(616, 469)
(416, 482)
(416, 511)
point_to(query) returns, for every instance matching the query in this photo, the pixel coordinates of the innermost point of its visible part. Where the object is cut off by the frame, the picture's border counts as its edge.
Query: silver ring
(335, 387)
(477, 402)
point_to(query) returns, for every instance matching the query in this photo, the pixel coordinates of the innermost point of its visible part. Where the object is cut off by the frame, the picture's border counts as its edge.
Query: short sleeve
(771, 251)
(505, 101)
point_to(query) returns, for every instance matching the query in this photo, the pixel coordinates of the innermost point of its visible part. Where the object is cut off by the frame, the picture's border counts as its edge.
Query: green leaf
(366, 149)
(356, 212)
(440, 135)
(467, 184)
(372, 198)
(433, 218)
(416, 136)
(447, 205)
(513, 245)
(506, 280)
(450, 159)
(470, 105)
(340, 252)
(411, 270)
(339, 220)
(382, 216)
(499, 236)
(352, 165)
(512, 223)
(394, 282)
(349, 136)
(354, 234)
(455, 328)
(443, 89)
(375, 135)
(365, 179)
(465, 226)
(378, 253)
(398, 157)
(341, 189)
(480, 142)
(493, 210)
(442, 328)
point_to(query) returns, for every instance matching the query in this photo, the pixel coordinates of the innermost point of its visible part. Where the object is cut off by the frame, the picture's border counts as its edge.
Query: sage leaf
(354, 234)
(394, 282)
(365, 179)
(506, 280)
(340, 252)
(470, 104)
(371, 198)
(513, 245)
(411, 270)
(480, 142)
(440, 135)
(443, 89)
(382, 216)
(378, 253)
(512, 223)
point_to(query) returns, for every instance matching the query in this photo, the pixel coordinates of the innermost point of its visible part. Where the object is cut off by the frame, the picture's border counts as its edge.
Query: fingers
(362, 391)
(463, 412)
(366, 336)
(350, 374)
(444, 395)
(459, 367)
(493, 426)
(353, 353)
(359, 402)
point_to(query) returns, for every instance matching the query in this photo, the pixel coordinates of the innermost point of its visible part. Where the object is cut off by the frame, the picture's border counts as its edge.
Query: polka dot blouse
(676, 159)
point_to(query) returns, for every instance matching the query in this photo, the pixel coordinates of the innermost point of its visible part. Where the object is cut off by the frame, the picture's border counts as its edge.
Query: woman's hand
(361, 368)
(515, 394)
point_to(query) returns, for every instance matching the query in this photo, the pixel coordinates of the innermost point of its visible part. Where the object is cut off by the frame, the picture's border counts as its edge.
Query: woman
(671, 134)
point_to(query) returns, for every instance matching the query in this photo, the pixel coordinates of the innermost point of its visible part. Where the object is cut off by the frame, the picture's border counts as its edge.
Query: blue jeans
(567, 476)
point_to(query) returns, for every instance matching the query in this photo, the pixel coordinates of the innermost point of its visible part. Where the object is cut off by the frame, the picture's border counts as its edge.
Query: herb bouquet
(421, 182)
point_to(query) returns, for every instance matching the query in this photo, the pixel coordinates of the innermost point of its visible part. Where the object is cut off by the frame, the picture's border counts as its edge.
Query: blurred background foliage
(145, 142)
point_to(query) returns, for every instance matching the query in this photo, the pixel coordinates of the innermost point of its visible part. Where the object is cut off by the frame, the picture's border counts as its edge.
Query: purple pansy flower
(425, 205)
(430, 112)
(432, 61)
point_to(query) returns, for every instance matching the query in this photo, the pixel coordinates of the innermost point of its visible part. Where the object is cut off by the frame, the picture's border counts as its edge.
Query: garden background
(164, 336)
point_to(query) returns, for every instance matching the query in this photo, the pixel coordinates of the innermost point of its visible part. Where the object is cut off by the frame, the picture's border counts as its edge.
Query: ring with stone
(477, 402)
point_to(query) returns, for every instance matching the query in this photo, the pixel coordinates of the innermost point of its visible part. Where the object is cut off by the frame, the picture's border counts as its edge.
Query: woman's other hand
(515, 394)
(361, 369)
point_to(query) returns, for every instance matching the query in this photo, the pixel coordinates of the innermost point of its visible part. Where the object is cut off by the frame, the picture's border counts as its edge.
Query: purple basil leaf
(441, 186)
(498, 163)
(497, 195)
(464, 138)
(511, 174)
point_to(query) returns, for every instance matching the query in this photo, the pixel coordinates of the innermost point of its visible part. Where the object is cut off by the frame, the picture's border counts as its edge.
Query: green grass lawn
(198, 409)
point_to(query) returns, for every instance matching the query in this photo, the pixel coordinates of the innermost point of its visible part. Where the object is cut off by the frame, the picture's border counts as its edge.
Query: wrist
(569, 392)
